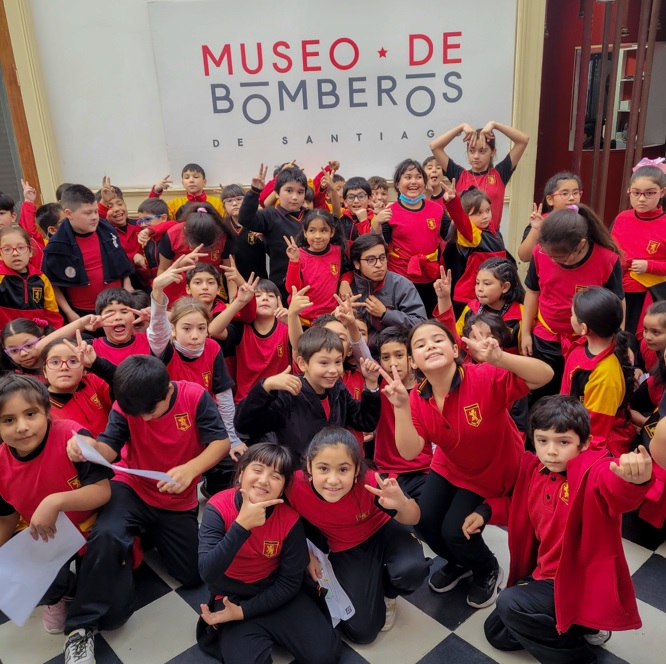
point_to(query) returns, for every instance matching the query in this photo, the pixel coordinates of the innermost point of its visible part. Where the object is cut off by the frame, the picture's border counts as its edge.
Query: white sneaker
(598, 639)
(391, 613)
(80, 647)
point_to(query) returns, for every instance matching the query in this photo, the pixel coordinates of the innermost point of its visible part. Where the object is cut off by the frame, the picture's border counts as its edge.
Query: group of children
(370, 388)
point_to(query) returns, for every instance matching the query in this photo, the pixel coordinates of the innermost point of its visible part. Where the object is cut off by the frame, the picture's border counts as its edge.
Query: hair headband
(658, 163)
(41, 322)
(575, 208)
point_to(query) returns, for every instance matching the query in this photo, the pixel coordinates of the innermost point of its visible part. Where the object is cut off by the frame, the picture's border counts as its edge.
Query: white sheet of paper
(27, 568)
(337, 600)
(92, 455)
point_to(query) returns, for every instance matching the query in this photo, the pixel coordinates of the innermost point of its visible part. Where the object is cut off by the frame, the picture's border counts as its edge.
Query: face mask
(188, 352)
(411, 201)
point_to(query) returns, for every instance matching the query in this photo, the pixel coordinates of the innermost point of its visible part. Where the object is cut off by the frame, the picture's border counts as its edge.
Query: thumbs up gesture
(283, 381)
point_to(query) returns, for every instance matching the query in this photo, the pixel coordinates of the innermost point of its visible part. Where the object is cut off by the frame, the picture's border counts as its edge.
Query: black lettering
(447, 81)
(331, 92)
(216, 98)
(353, 91)
(216, 143)
(334, 138)
(412, 92)
(285, 140)
(240, 142)
(309, 140)
(283, 91)
(382, 90)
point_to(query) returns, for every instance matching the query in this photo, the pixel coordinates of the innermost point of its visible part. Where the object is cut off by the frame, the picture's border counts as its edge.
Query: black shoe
(447, 578)
(483, 591)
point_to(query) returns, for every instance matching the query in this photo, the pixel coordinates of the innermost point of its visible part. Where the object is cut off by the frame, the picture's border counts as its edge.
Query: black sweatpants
(428, 297)
(444, 508)
(549, 352)
(412, 484)
(300, 626)
(524, 618)
(105, 591)
(388, 564)
(634, 303)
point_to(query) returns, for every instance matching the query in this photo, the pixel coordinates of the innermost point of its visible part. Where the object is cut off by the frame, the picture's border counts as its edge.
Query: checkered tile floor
(430, 628)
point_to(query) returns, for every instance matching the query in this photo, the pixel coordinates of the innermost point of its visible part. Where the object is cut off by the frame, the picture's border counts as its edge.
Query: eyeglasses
(237, 200)
(373, 260)
(144, 221)
(565, 193)
(57, 363)
(28, 347)
(356, 197)
(19, 249)
(634, 193)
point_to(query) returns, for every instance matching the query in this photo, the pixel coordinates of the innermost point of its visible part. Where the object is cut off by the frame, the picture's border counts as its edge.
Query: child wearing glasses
(20, 340)
(387, 298)
(25, 292)
(640, 232)
(561, 189)
(357, 216)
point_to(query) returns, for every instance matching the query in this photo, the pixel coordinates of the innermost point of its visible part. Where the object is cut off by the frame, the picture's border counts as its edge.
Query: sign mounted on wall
(364, 83)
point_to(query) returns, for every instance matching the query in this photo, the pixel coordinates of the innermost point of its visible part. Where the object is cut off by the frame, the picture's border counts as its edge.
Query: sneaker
(448, 577)
(80, 647)
(483, 591)
(53, 616)
(391, 613)
(598, 638)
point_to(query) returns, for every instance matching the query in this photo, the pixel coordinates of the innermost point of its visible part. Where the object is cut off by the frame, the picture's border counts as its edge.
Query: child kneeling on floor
(569, 583)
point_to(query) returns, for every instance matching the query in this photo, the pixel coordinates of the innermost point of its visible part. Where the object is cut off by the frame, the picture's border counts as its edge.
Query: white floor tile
(641, 646)
(636, 555)
(29, 644)
(155, 633)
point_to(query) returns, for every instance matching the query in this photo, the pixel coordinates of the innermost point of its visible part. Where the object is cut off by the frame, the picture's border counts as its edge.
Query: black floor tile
(3, 618)
(642, 533)
(454, 649)
(195, 596)
(193, 655)
(649, 582)
(149, 586)
(104, 654)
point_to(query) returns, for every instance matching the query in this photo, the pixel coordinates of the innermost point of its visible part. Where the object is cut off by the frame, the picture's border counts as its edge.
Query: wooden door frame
(16, 109)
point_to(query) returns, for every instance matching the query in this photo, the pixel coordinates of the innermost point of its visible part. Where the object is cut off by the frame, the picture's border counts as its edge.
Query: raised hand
(293, 252)
(162, 185)
(442, 285)
(283, 381)
(174, 273)
(449, 190)
(472, 525)
(144, 236)
(485, 350)
(536, 218)
(193, 256)
(252, 515)
(487, 134)
(231, 272)
(299, 300)
(469, 134)
(281, 313)
(394, 390)
(344, 312)
(259, 180)
(248, 290)
(83, 350)
(108, 193)
(29, 193)
(383, 216)
(389, 493)
(634, 467)
(370, 371)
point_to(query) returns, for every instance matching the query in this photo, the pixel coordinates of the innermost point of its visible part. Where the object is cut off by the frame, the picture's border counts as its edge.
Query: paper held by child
(337, 600)
(28, 567)
(92, 455)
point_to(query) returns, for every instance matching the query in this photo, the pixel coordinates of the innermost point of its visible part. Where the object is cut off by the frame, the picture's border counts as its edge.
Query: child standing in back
(641, 234)
(317, 259)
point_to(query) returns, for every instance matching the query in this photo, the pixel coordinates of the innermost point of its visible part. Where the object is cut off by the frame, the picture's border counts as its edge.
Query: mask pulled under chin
(411, 201)
(189, 353)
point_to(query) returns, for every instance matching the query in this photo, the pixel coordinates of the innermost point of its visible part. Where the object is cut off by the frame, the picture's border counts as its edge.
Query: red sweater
(593, 584)
(641, 237)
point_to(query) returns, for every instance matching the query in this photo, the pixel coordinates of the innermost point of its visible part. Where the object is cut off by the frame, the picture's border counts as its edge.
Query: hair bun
(575, 208)
(201, 209)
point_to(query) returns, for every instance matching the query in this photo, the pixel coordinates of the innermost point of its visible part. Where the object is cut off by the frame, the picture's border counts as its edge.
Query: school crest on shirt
(95, 400)
(580, 287)
(652, 247)
(74, 483)
(431, 224)
(270, 549)
(251, 238)
(215, 255)
(280, 350)
(334, 268)
(183, 422)
(649, 429)
(37, 294)
(205, 376)
(564, 492)
(492, 179)
(362, 516)
(473, 415)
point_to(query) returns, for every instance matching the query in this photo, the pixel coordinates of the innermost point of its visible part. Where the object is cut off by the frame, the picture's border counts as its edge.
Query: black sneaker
(447, 578)
(483, 591)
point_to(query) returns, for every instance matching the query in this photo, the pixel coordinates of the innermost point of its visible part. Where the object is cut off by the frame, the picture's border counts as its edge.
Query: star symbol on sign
(382, 52)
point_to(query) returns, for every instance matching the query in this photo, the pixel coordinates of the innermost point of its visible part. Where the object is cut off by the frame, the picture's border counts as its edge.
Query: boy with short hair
(49, 217)
(194, 180)
(297, 407)
(412, 474)
(379, 188)
(569, 582)
(276, 223)
(153, 223)
(249, 250)
(357, 216)
(84, 256)
(155, 424)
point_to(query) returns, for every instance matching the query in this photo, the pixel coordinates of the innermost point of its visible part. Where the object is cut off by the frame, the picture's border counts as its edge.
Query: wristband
(255, 190)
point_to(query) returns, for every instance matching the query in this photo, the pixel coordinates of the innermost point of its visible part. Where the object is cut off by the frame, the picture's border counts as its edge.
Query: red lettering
(413, 62)
(260, 59)
(225, 53)
(335, 44)
(447, 46)
(306, 54)
(284, 68)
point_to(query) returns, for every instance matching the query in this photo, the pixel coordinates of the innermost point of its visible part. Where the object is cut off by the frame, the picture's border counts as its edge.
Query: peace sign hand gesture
(83, 350)
(259, 180)
(394, 390)
(293, 252)
(485, 350)
(389, 493)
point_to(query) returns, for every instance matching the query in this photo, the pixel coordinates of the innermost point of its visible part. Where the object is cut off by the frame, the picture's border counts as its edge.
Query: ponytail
(564, 229)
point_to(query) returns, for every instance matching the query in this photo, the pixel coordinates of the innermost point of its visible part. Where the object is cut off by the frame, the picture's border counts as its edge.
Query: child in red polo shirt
(155, 424)
(253, 555)
(569, 583)
(465, 411)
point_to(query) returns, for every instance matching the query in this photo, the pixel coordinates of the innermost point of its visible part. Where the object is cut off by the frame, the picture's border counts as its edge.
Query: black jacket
(296, 419)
